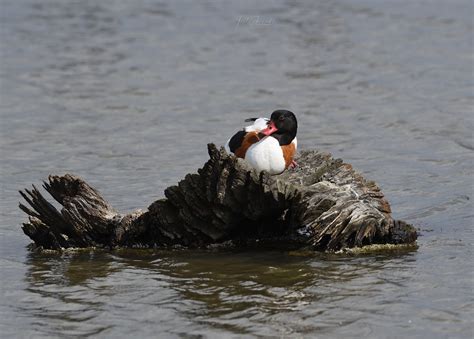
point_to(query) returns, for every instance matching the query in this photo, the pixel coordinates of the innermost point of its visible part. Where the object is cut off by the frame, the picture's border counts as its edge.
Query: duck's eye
(281, 118)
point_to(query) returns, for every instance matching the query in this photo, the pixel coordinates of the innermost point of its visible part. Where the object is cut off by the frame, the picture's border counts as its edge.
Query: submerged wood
(322, 205)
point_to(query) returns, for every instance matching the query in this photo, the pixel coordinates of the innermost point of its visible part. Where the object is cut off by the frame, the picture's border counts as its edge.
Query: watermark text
(256, 20)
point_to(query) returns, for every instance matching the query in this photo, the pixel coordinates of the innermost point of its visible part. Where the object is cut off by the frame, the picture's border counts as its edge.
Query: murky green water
(127, 94)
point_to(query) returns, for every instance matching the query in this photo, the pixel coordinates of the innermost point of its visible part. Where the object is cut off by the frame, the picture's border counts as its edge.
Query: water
(127, 94)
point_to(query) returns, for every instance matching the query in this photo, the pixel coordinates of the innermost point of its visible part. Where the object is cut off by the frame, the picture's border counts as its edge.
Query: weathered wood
(323, 205)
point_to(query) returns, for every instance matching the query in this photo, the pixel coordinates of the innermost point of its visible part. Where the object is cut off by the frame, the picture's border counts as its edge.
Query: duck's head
(282, 126)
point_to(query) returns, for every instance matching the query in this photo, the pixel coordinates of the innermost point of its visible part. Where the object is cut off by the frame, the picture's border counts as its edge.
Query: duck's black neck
(284, 138)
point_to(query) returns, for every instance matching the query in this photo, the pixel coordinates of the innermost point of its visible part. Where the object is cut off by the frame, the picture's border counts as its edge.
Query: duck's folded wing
(243, 139)
(240, 143)
(258, 124)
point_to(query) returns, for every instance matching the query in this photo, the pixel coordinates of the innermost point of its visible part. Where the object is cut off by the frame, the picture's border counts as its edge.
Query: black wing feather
(236, 141)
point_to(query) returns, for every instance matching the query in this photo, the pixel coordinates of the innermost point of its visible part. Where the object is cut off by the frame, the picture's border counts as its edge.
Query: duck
(268, 144)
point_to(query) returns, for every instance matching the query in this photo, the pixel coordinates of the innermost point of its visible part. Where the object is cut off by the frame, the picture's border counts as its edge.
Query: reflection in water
(89, 292)
(60, 299)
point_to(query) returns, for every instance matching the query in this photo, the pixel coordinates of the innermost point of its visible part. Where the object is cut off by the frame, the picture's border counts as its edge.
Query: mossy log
(322, 205)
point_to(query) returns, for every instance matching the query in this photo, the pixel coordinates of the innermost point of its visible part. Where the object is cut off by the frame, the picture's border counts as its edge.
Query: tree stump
(321, 205)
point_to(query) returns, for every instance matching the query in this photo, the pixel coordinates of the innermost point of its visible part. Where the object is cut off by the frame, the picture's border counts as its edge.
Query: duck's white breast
(266, 155)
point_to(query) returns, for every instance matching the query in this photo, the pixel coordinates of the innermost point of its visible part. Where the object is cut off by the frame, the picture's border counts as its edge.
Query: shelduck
(269, 144)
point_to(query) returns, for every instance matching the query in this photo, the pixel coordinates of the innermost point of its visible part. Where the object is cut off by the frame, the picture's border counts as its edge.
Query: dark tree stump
(322, 205)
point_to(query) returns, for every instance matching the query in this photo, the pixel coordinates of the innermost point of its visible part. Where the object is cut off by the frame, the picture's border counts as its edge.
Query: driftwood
(321, 205)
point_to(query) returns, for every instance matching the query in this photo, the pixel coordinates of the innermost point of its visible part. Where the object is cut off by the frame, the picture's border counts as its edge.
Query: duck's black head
(282, 126)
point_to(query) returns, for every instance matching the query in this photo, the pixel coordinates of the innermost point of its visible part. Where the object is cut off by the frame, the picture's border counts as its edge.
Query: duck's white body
(266, 155)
